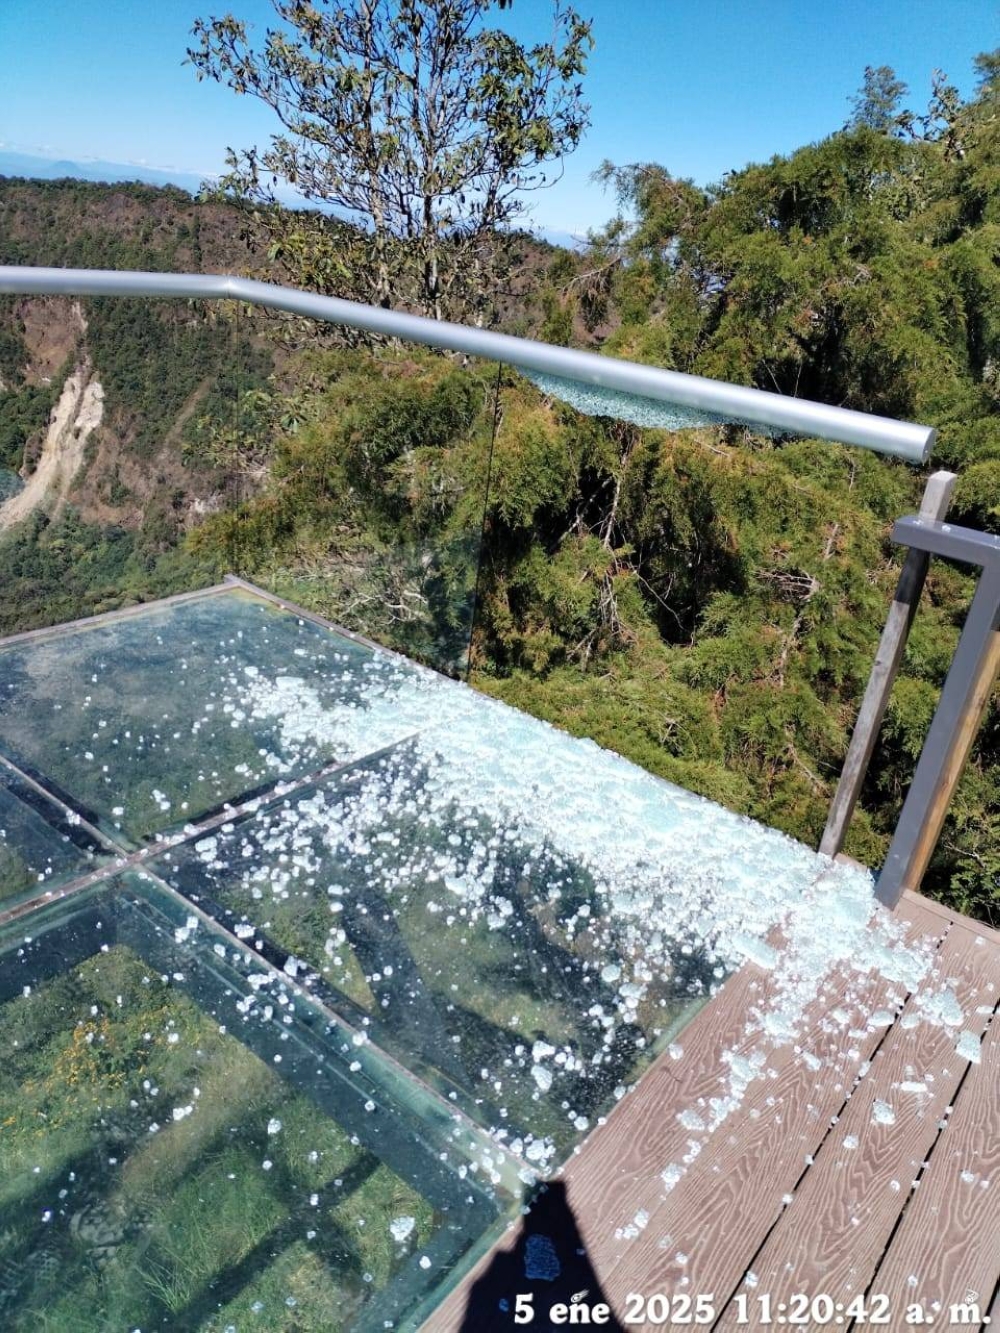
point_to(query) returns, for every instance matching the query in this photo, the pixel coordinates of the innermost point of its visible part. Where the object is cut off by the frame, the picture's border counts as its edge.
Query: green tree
(411, 117)
(877, 103)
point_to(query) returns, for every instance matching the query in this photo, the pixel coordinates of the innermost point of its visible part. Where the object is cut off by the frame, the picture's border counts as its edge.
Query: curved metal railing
(756, 407)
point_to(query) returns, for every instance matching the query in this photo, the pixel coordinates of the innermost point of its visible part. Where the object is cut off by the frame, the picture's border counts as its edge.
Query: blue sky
(702, 86)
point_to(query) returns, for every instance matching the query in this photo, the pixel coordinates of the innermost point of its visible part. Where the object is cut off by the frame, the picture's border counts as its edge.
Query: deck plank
(833, 1234)
(750, 1166)
(949, 1238)
(617, 1171)
(988, 932)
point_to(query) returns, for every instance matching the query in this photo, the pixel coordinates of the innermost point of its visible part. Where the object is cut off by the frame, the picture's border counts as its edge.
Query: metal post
(960, 709)
(937, 495)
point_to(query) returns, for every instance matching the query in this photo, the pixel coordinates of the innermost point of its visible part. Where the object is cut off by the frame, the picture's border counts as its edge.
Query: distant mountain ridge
(97, 171)
(100, 172)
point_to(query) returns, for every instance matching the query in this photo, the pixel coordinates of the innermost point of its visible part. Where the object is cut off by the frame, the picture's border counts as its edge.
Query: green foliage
(877, 105)
(154, 358)
(23, 415)
(13, 355)
(65, 568)
(373, 505)
(95, 1062)
(164, 366)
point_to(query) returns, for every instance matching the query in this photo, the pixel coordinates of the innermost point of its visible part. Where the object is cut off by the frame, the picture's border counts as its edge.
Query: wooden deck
(806, 1189)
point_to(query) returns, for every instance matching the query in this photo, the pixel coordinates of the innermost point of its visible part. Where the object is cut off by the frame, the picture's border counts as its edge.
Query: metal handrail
(757, 407)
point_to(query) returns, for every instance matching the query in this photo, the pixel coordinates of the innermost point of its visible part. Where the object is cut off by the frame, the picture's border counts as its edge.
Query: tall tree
(877, 103)
(415, 124)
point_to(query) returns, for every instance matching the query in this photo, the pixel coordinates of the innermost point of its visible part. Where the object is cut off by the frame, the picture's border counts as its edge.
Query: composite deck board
(835, 1231)
(947, 1248)
(617, 1172)
(750, 1167)
(989, 933)
(612, 1185)
(611, 1179)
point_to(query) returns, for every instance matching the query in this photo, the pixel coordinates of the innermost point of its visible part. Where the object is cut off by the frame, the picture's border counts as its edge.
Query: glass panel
(146, 722)
(378, 521)
(473, 950)
(41, 846)
(188, 1143)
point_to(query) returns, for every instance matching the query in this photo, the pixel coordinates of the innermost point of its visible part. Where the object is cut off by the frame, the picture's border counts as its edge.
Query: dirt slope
(75, 417)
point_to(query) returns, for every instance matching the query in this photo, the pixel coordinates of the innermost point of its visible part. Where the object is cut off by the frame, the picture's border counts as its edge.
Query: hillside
(166, 371)
(133, 474)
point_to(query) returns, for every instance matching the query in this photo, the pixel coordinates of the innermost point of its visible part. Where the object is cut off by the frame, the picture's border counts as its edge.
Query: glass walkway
(313, 962)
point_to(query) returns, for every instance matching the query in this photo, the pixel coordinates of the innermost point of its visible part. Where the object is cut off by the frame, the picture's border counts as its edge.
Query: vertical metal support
(960, 709)
(937, 496)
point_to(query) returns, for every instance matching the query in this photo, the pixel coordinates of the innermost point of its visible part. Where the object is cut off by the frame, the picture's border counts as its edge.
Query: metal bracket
(960, 709)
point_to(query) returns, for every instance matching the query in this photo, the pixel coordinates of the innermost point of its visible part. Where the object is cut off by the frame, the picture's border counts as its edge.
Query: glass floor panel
(313, 963)
(146, 722)
(41, 846)
(476, 956)
(185, 1143)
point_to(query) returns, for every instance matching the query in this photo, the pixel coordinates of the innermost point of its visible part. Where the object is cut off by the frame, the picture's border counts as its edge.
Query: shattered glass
(383, 884)
(313, 963)
(189, 1142)
(594, 401)
(144, 723)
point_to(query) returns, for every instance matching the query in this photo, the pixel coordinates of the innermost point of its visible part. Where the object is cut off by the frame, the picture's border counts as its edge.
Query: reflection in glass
(41, 846)
(146, 722)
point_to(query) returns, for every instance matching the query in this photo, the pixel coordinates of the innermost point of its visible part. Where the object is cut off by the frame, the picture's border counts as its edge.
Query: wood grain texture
(622, 1172)
(949, 1238)
(748, 1168)
(833, 1235)
(955, 918)
(951, 766)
